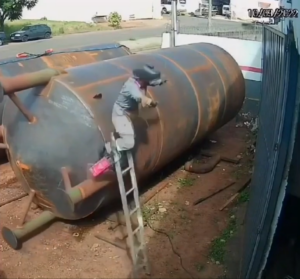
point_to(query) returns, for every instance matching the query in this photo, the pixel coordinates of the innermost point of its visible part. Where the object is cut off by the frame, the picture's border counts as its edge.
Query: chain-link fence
(235, 30)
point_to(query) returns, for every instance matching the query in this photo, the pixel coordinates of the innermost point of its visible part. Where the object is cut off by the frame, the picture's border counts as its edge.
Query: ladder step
(136, 230)
(134, 211)
(129, 191)
(126, 170)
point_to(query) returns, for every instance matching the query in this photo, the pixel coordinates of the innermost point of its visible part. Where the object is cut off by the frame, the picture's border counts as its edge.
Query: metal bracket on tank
(29, 202)
(65, 172)
(64, 202)
(27, 114)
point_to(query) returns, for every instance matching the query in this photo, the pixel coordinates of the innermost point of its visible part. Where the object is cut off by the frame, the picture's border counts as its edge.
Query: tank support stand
(29, 202)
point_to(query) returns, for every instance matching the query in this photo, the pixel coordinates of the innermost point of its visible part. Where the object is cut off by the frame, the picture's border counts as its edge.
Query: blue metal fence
(271, 147)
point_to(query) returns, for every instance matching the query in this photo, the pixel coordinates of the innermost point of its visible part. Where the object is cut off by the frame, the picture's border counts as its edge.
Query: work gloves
(157, 82)
(148, 102)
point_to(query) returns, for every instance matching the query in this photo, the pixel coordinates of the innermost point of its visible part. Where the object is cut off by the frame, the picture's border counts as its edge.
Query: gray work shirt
(129, 98)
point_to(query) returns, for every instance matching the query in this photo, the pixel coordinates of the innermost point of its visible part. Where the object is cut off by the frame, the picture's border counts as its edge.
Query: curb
(142, 44)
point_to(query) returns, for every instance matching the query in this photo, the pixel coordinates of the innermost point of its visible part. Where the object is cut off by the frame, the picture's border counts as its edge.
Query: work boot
(114, 149)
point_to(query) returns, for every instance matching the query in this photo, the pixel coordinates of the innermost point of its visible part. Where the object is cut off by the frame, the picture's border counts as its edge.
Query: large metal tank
(205, 89)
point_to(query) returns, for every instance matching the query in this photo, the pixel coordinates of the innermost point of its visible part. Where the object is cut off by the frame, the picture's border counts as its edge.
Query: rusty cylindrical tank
(205, 89)
(65, 59)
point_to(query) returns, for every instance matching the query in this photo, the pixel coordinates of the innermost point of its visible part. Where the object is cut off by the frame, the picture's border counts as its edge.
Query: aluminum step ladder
(136, 238)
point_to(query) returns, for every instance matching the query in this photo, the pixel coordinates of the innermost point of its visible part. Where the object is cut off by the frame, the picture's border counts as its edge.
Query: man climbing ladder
(132, 94)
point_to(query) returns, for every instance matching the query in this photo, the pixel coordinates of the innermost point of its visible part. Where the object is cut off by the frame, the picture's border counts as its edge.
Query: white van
(226, 10)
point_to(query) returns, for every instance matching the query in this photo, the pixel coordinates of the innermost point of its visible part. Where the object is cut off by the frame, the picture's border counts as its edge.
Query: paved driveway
(93, 38)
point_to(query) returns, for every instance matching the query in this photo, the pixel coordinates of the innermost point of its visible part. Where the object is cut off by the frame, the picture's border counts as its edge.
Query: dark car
(31, 32)
(2, 38)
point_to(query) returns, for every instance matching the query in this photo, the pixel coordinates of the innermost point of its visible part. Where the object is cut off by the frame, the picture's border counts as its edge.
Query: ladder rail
(136, 237)
(125, 208)
(139, 213)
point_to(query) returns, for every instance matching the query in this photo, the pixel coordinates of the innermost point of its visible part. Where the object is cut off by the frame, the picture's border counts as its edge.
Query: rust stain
(23, 166)
(129, 71)
(214, 104)
(217, 70)
(205, 67)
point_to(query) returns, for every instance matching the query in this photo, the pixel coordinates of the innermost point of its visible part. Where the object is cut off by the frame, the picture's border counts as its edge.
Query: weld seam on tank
(216, 68)
(121, 67)
(195, 93)
(101, 82)
(162, 133)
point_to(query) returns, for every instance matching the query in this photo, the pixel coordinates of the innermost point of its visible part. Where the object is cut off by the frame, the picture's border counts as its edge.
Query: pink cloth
(100, 167)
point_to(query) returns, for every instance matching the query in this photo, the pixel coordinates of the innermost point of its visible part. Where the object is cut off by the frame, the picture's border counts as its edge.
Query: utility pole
(209, 15)
(174, 23)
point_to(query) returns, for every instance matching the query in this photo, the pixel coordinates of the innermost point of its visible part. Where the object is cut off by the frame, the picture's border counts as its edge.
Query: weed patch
(218, 248)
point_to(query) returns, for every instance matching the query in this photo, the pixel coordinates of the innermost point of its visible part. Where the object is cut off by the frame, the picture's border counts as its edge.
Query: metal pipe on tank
(205, 89)
(15, 239)
(22, 82)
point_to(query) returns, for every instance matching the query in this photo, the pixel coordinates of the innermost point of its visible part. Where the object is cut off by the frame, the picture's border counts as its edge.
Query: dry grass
(58, 27)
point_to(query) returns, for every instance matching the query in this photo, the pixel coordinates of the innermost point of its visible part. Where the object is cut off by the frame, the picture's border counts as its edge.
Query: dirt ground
(198, 233)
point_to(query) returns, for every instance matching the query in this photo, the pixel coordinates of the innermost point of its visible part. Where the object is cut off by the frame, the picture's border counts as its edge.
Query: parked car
(31, 32)
(2, 38)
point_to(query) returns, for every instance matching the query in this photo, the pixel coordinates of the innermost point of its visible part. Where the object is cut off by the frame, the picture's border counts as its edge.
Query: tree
(13, 9)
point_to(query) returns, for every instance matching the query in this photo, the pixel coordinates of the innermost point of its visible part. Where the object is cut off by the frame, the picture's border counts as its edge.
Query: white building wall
(67, 10)
(84, 10)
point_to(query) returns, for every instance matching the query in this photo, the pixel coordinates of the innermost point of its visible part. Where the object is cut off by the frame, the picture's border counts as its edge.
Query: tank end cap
(11, 239)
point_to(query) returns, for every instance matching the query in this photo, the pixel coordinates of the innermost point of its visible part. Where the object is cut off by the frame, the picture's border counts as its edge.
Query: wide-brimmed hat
(147, 73)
